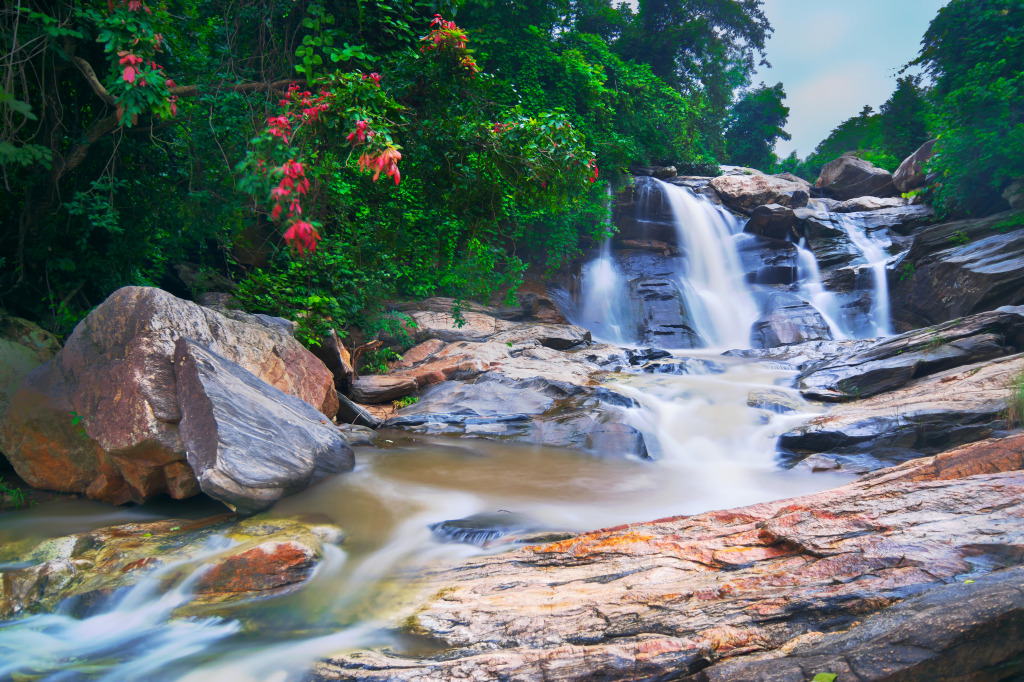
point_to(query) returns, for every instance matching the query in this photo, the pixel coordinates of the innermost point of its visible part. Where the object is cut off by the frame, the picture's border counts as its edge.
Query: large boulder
(850, 176)
(771, 220)
(247, 442)
(910, 175)
(744, 193)
(102, 418)
(24, 346)
(662, 317)
(957, 269)
(699, 597)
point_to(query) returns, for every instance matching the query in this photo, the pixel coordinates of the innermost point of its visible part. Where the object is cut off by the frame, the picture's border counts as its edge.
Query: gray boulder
(24, 346)
(771, 220)
(247, 442)
(787, 320)
(850, 176)
(910, 175)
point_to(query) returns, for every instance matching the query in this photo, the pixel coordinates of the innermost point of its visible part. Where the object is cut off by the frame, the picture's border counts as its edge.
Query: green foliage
(974, 51)
(1015, 401)
(755, 123)
(959, 238)
(907, 271)
(378, 361)
(404, 402)
(13, 495)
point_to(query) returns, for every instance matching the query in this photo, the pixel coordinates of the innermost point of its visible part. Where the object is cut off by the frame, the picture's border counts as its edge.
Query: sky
(835, 56)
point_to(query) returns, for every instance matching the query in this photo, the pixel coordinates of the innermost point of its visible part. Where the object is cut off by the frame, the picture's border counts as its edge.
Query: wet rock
(744, 193)
(910, 175)
(642, 213)
(776, 400)
(247, 442)
(799, 356)
(116, 374)
(355, 434)
(662, 317)
(535, 305)
(652, 245)
(926, 416)
(24, 346)
(772, 220)
(958, 268)
(352, 413)
(787, 319)
(484, 529)
(682, 366)
(337, 359)
(850, 176)
(890, 363)
(866, 204)
(258, 556)
(375, 389)
(767, 261)
(681, 597)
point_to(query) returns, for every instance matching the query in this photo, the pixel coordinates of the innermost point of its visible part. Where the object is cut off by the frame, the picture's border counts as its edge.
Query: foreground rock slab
(696, 597)
(102, 417)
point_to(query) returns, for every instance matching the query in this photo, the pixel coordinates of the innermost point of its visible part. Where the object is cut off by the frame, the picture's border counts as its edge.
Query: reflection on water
(711, 449)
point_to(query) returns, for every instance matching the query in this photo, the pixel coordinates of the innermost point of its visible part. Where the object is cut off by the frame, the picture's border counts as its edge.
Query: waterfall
(714, 286)
(811, 287)
(604, 309)
(873, 250)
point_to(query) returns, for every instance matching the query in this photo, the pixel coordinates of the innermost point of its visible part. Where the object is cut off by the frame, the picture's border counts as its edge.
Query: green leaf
(824, 677)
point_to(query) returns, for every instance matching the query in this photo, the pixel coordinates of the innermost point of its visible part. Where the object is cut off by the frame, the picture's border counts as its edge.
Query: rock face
(336, 358)
(23, 347)
(116, 374)
(910, 175)
(926, 416)
(788, 320)
(247, 442)
(795, 586)
(890, 363)
(746, 192)
(850, 176)
(772, 220)
(662, 318)
(272, 556)
(959, 268)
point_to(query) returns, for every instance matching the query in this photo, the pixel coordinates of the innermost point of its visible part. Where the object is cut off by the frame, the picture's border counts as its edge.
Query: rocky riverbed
(874, 527)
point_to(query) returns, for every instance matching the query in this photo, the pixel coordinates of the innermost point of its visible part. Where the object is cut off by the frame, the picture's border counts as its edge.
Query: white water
(873, 249)
(714, 286)
(824, 301)
(604, 310)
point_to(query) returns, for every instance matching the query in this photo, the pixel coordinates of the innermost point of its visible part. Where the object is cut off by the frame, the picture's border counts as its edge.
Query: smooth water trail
(812, 288)
(873, 249)
(605, 301)
(714, 283)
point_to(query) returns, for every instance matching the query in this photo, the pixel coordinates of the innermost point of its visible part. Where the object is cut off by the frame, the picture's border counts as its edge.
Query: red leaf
(129, 74)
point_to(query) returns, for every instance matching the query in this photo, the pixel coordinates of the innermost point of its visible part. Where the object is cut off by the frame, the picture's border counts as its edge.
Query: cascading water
(873, 249)
(811, 287)
(713, 280)
(604, 310)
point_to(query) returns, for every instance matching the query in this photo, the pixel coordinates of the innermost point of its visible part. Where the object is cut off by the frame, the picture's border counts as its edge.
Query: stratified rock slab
(247, 442)
(697, 597)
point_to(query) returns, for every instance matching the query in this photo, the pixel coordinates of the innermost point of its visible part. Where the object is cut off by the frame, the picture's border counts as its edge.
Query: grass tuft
(1015, 401)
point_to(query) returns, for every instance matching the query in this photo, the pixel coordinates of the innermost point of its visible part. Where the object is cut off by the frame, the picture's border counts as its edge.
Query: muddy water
(711, 451)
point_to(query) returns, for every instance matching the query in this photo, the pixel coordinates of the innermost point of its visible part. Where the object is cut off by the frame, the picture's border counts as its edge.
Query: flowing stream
(712, 447)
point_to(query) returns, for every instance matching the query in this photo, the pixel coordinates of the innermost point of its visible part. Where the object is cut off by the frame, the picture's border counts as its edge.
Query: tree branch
(261, 86)
(94, 82)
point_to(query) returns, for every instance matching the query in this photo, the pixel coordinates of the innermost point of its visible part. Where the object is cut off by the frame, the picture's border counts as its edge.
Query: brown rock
(771, 220)
(23, 347)
(374, 389)
(266, 566)
(116, 374)
(747, 192)
(675, 597)
(910, 175)
(850, 176)
(337, 359)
